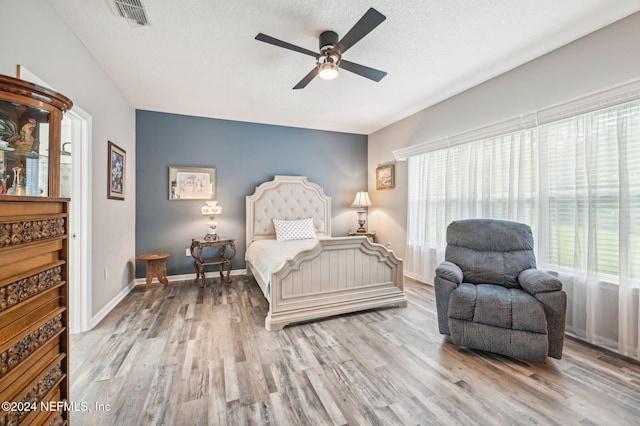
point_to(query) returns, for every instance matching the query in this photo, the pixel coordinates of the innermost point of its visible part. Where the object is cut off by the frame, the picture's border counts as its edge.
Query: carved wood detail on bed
(337, 276)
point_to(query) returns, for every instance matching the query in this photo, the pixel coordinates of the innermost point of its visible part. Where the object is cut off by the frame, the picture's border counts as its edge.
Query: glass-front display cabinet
(30, 147)
(34, 256)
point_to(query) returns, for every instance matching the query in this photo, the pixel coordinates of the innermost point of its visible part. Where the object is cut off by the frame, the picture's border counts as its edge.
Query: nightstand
(226, 251)
(369, 234)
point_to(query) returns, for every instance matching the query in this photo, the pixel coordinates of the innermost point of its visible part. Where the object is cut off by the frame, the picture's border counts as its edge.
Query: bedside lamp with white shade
(362, 201)
(211, 209)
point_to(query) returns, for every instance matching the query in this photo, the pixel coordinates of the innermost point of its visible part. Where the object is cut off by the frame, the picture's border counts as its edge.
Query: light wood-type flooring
(186, 355)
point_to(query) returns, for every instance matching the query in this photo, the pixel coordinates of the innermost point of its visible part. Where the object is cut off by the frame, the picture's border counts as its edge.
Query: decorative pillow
(301, 229)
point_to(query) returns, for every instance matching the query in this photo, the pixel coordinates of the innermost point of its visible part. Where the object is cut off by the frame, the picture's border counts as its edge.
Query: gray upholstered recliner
(490, 296)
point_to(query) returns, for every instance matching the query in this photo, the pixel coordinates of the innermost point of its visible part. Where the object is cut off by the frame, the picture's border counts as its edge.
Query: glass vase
(17, 188)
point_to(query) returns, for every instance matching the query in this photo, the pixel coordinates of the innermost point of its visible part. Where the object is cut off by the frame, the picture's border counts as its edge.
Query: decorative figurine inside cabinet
(30, 120)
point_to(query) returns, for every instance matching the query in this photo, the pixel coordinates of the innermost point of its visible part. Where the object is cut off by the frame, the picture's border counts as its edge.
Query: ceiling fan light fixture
(328, 71)
(328, 63)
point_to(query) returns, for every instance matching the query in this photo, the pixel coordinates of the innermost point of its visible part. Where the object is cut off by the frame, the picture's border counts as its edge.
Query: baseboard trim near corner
(184, 277)
(95, 320)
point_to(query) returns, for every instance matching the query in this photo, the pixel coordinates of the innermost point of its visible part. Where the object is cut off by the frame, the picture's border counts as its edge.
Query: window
(594, 191)
(576, 182)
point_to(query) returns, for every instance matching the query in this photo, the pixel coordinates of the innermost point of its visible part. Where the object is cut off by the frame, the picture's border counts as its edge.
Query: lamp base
(211, 237)
(212, 230)
(362, 228)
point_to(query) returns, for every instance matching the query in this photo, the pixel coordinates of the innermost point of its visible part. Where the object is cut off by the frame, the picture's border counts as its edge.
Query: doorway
(75, 179)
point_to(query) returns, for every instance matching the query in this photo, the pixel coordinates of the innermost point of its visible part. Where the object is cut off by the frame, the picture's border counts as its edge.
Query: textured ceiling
(199, 57)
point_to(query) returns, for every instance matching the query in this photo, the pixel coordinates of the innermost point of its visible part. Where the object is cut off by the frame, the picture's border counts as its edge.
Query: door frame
(80, 228)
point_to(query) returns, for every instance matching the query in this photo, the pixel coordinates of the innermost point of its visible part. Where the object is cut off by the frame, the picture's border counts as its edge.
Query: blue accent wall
(244, 155)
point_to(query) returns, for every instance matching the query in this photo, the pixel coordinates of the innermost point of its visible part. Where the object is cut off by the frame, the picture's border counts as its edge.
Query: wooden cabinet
(34, 337)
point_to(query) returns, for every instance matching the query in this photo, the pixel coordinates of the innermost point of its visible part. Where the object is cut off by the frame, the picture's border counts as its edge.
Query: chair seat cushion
(497, 306)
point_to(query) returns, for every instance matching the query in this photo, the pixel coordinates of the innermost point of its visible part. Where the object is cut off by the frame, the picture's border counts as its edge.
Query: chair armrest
(443, 289)
(450, 272)
(448, 278)
(536, 281)
(547, 289)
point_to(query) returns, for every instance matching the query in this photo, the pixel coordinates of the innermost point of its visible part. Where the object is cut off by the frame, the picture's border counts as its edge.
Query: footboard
(339, 275)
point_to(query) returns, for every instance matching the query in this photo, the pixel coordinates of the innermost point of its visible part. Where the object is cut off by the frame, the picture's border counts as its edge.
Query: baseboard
(185, 277)
(109, 306)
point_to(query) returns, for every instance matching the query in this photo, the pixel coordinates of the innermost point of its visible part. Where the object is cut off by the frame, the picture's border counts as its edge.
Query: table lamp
(362, 201)
(211, 209)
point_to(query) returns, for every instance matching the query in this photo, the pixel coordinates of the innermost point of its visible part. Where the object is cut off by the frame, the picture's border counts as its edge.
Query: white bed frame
(337, 276)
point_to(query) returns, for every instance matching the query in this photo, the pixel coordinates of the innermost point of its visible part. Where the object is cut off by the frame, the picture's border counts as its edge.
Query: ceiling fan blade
(371, 19)
(307, 79)
(268, 39)
(370, 73)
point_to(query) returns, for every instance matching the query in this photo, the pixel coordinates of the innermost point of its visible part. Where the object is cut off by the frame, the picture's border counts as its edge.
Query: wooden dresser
(34, 224)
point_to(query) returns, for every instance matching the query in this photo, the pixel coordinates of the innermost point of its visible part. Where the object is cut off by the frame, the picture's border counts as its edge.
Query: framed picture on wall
(116, 167)
(192, 183)
(384, 177)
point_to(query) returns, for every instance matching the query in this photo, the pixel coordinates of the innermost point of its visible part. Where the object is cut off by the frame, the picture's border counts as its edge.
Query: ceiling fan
(331, 50)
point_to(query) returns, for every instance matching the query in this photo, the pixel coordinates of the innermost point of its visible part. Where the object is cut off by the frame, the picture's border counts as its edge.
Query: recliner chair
(490, 296)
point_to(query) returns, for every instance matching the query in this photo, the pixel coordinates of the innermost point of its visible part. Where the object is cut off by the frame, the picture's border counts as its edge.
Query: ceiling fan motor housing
(328, 39)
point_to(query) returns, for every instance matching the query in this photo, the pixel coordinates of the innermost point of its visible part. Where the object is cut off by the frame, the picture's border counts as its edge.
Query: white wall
(600, 60)
(36, 37)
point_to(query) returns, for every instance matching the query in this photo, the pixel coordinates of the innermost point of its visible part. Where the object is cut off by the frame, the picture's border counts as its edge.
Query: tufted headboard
(286, 197)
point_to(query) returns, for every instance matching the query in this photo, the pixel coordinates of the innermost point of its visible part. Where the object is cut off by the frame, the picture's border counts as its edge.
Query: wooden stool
(156, 267)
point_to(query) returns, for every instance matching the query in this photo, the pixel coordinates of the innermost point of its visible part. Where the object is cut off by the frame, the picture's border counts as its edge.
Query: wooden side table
(369, 234)
(156, 267)
(227, 250)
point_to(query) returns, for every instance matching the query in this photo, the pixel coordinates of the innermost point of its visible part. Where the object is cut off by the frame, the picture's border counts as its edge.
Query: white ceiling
(199, 57)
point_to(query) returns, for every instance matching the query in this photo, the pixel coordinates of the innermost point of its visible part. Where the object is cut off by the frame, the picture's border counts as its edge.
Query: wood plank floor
(183, 355)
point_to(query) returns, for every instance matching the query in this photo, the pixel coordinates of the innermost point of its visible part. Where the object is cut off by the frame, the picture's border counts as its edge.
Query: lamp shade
(362, 200)
(212, 208)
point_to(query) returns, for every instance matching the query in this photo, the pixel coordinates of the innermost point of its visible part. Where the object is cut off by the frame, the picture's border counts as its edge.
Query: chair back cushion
(490, 251)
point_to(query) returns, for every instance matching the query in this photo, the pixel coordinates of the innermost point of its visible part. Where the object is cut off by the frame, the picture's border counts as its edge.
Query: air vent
(131, 10)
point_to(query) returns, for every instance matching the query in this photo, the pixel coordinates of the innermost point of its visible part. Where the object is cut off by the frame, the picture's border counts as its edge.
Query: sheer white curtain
(592, 238)
(491, 178)
(576, 182)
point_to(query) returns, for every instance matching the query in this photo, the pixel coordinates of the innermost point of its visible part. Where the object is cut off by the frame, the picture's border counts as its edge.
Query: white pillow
(301, 229)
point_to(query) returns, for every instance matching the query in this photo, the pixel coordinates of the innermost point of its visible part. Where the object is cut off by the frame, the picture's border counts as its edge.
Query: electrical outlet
(106, 273)
(187, 252)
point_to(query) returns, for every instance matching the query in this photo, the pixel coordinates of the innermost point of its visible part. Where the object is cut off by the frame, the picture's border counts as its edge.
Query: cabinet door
(26, 133)
(30, 149)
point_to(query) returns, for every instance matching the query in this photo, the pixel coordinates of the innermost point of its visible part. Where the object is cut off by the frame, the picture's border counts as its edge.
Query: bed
(314, 278)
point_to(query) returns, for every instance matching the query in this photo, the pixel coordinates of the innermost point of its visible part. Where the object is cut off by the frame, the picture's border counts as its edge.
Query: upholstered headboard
(287, 197)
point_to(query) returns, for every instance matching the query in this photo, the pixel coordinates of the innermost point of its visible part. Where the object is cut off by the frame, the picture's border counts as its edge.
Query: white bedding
(266, 256)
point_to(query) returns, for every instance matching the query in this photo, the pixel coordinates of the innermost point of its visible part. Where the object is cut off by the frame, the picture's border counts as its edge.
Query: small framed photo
(192, 183)
(384, 177)
(116, 166)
